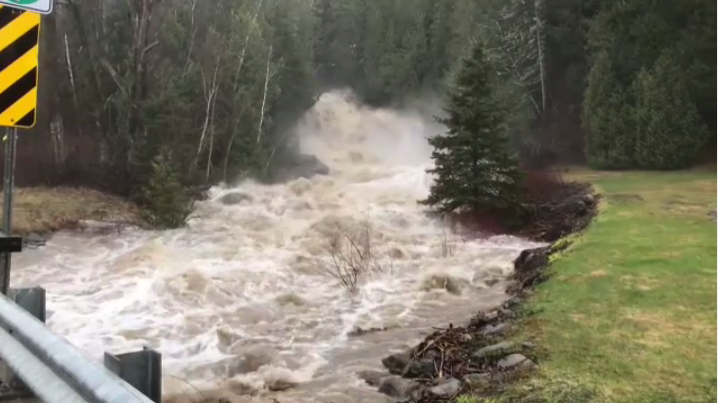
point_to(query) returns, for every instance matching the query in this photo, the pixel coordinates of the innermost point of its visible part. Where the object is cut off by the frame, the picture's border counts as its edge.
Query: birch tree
(520, 48)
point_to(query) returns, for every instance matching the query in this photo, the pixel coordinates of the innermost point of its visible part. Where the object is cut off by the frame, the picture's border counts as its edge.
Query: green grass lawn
(630, 312)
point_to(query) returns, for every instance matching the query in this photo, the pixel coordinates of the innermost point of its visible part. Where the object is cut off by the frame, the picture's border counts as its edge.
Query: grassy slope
(43, 210)
(630, 313)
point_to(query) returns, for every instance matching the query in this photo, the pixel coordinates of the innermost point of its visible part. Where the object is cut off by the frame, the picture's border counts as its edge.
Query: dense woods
(203, 91)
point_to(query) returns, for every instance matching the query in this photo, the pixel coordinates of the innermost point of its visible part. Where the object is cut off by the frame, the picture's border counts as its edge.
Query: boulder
(493, 350)
(482, 319)
(233, 198)
(589, 199)
(512, 303)
(279, 385)
(498, 329)
(507, 313)
(398, 387)
(34, 240)
(514, 361)
(445, 389)
(396, 363)
(403, 364)
(529, 269)
(358, 331)
(373, 378)
(478, 381)
(240, 365)
(532, 259)
(422, 368)
(299, 166)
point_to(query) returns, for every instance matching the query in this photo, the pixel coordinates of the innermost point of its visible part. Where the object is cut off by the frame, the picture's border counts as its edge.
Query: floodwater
(247, 299)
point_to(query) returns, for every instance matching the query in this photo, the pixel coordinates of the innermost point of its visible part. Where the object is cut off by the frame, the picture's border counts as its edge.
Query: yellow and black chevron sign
(19, 35)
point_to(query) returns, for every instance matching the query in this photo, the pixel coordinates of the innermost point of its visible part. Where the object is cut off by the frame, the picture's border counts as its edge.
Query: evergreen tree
(669, 131)
(631, 37)
(474, 168)
(166, 201)
(607, 118)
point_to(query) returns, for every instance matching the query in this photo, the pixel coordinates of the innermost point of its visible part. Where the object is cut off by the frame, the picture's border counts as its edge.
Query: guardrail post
(33, 301)
(141, 369)
(8, 244)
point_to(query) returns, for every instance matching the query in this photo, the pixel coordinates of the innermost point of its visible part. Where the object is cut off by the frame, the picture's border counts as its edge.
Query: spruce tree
(165, 200)
(474, 168)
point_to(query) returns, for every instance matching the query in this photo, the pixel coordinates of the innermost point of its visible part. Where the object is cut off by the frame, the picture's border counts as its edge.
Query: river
(246, 297)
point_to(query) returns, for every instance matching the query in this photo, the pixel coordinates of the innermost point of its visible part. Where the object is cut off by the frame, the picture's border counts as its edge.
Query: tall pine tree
(474, 167)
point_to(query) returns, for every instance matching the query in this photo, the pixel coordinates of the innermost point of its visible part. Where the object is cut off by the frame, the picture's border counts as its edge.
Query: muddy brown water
(244, 299)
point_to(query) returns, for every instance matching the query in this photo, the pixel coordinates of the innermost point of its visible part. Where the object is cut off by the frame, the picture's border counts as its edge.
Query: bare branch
(69, 72)
(240, 64)
(351, 256)
(211, 132)
(264, 96)
(231, 142)
(211, 92)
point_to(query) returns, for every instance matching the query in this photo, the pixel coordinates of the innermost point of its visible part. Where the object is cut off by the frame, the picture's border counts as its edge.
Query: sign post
(8, 184)
(19, 47)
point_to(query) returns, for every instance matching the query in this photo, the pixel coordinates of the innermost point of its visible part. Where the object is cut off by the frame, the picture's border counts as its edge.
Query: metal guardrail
(52, 368)
(36, 362)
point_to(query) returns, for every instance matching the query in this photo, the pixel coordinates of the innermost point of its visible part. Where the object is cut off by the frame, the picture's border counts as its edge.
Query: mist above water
(246, 298)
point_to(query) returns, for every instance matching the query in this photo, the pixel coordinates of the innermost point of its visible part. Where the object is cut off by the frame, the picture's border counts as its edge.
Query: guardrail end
(33, 301)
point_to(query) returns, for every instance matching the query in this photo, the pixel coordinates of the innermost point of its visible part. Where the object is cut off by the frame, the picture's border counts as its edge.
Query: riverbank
(629, 315)
(43, 210)
(483, 357)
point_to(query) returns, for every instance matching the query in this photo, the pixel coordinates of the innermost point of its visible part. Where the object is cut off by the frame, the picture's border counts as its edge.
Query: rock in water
(279, 385)
(34, 240)
(234, 198)
(373, 378)
(396, 363)
(300, 166)
(528, 269)
(398, 387)
(403, 364)
(358, 331)
(532, 259)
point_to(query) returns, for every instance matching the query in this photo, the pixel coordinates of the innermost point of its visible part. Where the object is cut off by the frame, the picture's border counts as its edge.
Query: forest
(149, 97)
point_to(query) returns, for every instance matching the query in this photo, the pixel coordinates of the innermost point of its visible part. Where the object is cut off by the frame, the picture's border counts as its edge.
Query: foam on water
(244, 296)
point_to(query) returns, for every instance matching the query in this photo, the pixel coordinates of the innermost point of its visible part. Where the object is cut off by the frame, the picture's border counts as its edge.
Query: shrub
(352, 256)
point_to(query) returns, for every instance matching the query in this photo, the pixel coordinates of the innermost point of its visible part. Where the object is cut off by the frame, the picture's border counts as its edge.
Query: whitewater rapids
(245, 298)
